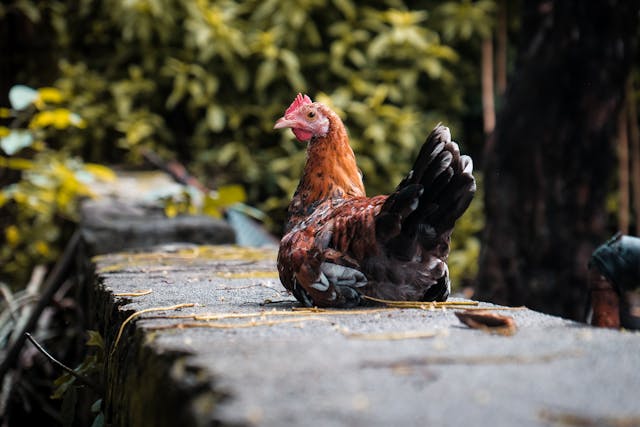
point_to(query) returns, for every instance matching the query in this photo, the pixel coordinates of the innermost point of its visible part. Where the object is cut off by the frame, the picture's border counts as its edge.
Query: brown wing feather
(339, 231)
(343, 232)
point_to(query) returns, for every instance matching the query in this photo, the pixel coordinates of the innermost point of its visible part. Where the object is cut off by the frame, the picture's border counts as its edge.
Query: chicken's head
(305, 118)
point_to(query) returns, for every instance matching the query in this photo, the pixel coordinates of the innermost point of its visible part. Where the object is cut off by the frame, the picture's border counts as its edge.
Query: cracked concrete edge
(145, 387)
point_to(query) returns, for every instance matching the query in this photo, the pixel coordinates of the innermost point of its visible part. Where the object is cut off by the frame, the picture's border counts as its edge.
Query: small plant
(88, 373)
(42, 182)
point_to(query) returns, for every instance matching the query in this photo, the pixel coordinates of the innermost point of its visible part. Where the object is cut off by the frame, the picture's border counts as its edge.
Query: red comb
(299, 101)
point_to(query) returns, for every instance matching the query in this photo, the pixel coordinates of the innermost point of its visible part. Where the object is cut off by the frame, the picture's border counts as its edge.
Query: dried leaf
(487, 321)
(95, 339)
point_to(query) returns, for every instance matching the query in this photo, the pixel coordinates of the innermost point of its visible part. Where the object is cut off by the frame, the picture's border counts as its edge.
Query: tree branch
(84, 380)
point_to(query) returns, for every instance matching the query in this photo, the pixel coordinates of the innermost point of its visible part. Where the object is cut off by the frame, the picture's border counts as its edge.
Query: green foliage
(206, 80)
(465, 19)
(91, 368)
(48, 185)
(192, 201)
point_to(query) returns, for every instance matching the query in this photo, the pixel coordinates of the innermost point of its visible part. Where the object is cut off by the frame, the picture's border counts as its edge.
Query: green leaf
(265, 74)
(346, 7)
(95, 339)
(432, 67)
(230, 194)
(217, 201)
(240, 77)
(216, 118)
(68, 410)
(227, 153)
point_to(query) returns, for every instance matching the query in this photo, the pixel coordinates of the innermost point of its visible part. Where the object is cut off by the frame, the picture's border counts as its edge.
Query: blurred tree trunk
(634, 141)
(548, 172)
(501, 48)
(488, 105)
(623, 171)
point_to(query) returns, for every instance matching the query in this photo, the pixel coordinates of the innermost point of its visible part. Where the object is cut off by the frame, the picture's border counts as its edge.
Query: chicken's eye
(311, 115)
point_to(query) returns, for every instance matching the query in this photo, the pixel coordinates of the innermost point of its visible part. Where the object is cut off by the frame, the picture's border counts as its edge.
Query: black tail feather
(397, 207)
(448, 188)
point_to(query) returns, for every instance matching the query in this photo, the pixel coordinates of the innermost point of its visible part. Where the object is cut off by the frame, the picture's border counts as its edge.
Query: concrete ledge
(110, 225)
(338, 368)
(128, 213)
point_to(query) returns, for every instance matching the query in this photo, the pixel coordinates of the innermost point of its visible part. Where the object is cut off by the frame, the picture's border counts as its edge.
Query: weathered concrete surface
(127, 213)
(314, 371)
(109, 225)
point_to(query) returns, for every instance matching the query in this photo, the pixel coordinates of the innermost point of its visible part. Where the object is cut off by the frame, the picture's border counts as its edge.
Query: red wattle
(301, 134)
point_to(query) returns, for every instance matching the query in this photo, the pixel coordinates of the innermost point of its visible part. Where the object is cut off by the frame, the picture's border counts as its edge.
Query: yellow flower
(227, 195)
(101, 172)
(15, 163)
(171, 210)
(60, 118)
(12, 234)
(40, 120)
(49, 95)
(42, 248)
(39, 145)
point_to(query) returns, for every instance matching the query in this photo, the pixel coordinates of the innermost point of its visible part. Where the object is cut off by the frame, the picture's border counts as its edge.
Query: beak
(283, 122)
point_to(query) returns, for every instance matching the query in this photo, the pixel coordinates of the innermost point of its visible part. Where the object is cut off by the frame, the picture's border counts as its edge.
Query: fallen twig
(496, 308)
(212, 320)
(234, 288)
(474, 360)
(133, 294)
(421, 304)
(218, 325)
(275, 301)
(389, 336)
(138, 313)
(267, 274)
(293, 312)
(579, 420)
(339, 312)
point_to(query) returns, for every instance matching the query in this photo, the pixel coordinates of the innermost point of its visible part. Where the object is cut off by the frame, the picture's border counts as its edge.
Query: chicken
(341, 246)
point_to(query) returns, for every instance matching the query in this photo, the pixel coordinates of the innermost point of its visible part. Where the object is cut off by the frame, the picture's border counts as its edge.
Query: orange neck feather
(330, 170)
